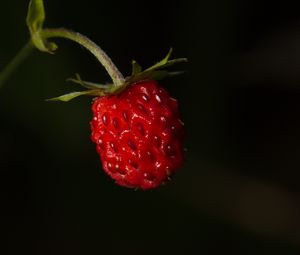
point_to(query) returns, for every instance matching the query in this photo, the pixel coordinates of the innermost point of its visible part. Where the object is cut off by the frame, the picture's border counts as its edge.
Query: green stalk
(117, 78)
(114, 73)
(15, 62)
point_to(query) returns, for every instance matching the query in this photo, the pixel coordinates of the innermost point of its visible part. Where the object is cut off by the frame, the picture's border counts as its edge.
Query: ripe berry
(136, 124)
(138, 135)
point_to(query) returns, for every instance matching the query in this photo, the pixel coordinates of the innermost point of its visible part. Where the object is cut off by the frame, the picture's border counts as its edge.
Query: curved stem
(15, 62)
(116, 76)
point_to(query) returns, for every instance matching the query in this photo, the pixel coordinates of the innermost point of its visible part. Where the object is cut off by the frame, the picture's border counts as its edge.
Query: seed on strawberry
(138, 135)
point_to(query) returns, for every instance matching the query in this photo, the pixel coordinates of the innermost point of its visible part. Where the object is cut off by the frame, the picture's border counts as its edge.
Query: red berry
(139, 135)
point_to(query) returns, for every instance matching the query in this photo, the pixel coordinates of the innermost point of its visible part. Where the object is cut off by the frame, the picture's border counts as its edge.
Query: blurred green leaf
(35, 21)
(35, 16)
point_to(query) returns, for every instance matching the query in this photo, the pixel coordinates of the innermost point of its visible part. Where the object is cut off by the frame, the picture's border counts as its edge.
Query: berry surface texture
(138, 135)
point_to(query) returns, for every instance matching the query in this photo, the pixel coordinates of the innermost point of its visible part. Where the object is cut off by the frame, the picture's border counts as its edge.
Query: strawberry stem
(116, 76)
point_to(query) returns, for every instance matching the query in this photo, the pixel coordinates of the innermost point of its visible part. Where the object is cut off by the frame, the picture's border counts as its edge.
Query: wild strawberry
(136, 126)
(138, 135)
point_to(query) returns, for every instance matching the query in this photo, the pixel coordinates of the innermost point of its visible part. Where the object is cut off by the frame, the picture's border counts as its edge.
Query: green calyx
(155, 72)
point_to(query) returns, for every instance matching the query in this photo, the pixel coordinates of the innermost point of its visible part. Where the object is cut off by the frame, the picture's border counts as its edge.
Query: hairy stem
(116, 76)
(15, 62)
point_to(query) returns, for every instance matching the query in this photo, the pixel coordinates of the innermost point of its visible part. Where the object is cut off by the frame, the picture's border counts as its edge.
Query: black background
(238, 192)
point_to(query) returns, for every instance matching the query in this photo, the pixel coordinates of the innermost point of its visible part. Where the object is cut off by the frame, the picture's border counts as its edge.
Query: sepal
(162, 62)
(72, 95)
(136, 68)
(155, 72)
(88, 84)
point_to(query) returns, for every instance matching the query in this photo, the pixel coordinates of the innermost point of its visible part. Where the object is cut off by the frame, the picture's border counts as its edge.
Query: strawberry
(138, 135)
(136, 127)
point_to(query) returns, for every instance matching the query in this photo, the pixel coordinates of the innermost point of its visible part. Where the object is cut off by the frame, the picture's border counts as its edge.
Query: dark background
(238, 192)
